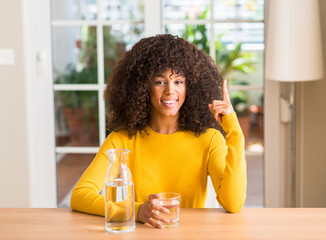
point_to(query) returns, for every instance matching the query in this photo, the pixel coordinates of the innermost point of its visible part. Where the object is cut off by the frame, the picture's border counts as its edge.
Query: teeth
(169, 102)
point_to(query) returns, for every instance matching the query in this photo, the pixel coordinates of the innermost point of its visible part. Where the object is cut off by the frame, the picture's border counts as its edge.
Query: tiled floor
(69, 170)
(255, 178)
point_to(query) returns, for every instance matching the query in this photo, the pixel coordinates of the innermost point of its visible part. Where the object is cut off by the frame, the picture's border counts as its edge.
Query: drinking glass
(171, 201)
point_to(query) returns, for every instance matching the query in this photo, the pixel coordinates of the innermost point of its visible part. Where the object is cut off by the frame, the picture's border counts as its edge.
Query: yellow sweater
(178, 162)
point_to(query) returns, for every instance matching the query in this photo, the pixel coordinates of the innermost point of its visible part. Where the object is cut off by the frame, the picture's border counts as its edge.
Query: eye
(159, 82)
(179, 81)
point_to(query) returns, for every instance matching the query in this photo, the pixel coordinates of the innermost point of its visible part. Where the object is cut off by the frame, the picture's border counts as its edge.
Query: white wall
(313, 147)
(14, 178)
(27, 158)
(310, 137)
(310, 140)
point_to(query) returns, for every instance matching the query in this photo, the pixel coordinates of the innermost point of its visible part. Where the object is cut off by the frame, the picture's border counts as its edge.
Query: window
(90, 36)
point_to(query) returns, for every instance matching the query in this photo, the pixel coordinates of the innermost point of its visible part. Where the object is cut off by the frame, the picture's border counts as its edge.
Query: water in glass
(170, 201)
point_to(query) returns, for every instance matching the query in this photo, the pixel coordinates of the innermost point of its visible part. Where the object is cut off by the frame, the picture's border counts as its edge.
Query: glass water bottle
(119, 193)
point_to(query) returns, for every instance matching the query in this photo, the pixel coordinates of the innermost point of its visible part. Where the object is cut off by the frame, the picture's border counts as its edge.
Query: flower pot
(83, 129)
(245, 122)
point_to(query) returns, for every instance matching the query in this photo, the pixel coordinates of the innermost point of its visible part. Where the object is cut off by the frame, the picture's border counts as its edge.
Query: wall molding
(274, 168)
(274, 132)
(300, 147)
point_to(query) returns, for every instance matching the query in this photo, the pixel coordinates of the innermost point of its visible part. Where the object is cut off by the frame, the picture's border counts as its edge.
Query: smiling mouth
(169, 103)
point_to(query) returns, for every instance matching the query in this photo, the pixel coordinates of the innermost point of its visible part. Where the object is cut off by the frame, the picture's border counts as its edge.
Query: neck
(165, 125)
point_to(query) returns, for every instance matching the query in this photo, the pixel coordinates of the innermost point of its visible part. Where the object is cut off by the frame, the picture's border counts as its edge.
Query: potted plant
(79, 109)
(239, 101)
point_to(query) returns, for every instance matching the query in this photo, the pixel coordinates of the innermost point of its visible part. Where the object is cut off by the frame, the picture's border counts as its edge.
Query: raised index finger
(225, 90)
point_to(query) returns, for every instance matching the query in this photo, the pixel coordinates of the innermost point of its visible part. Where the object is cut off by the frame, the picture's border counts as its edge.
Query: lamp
(293, 53)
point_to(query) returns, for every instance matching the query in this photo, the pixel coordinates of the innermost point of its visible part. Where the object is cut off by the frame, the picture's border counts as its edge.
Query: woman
(167, 103)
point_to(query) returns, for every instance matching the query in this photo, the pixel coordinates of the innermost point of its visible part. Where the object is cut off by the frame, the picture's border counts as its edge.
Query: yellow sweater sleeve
(86, 196)
(231, 189)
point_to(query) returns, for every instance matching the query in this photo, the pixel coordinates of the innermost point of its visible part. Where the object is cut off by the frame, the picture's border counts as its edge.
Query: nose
(169, 88)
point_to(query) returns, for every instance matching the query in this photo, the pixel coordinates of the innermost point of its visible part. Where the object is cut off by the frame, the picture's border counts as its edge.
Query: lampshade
(293, 41)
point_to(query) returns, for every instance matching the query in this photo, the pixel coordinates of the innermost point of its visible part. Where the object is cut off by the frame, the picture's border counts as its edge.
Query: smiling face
(167, 94)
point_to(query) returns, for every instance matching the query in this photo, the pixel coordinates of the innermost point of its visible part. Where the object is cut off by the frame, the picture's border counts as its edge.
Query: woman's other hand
(147, 212)
(219, 107)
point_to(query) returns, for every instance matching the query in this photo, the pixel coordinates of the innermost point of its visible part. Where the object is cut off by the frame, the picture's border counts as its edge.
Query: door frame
(39, 103)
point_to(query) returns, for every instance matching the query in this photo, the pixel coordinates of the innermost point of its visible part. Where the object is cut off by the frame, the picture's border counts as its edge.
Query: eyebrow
(177, 75)
(180, 74)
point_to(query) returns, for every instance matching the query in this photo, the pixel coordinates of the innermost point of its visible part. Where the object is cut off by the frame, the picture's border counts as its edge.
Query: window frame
(37, 33)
